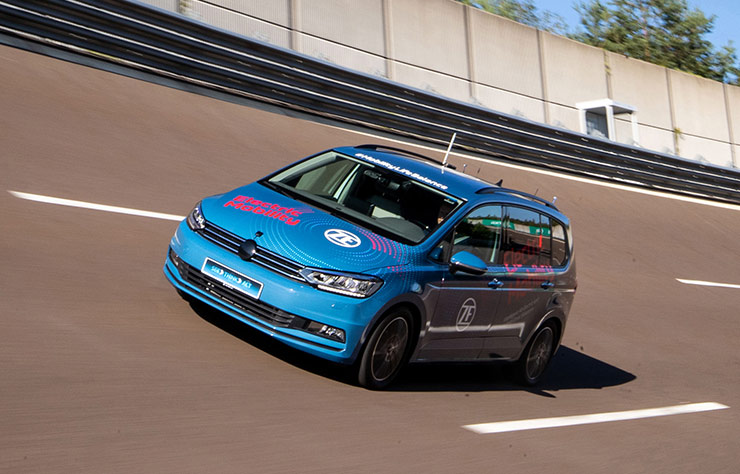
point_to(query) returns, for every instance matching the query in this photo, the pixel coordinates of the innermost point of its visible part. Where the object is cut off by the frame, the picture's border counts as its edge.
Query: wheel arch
(554, 316)
(411, 302)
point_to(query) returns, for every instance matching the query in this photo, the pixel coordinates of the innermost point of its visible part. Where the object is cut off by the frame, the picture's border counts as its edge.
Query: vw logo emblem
(465, 315)
(247, 250)
(342, 238)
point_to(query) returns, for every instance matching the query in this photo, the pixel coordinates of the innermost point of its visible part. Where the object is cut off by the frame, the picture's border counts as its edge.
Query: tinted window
(531, 238)
(524, 238)
(545, 241)
(559, 245)
(480, 233)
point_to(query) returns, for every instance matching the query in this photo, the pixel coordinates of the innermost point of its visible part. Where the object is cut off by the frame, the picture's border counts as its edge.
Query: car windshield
(386, 202)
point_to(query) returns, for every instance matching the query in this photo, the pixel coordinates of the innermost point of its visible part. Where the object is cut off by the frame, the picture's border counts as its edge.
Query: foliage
(663, 32)
(522, 11)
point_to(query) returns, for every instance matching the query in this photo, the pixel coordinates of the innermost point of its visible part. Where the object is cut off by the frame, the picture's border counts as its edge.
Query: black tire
(537, 355)
(386, 351)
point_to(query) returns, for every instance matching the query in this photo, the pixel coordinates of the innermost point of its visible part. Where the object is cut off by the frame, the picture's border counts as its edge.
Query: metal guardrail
(160, 42)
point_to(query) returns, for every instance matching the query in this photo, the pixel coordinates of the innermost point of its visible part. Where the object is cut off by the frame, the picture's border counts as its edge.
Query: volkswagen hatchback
(375, 256)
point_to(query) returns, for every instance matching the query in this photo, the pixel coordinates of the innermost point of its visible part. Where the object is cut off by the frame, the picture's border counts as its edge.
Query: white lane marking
(506, 426)
(500, 162)
(707, 283)
(97, 207)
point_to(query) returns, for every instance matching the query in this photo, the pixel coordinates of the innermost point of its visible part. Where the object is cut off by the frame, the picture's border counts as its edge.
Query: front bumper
(285, 307)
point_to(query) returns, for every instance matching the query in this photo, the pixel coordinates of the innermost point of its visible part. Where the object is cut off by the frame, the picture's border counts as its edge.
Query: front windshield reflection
(388, 203)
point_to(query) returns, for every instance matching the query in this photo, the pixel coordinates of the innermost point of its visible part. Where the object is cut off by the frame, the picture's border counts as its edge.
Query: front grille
(263, 257)
(256, 308)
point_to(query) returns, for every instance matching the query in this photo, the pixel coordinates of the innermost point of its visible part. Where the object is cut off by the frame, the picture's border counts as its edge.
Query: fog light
(328, 332)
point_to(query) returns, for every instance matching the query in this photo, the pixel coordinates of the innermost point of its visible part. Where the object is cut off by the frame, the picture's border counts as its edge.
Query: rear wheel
(386, 351)
(537, 355)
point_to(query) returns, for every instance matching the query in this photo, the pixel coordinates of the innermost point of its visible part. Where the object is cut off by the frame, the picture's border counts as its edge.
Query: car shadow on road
(570, 369)
(272, 346)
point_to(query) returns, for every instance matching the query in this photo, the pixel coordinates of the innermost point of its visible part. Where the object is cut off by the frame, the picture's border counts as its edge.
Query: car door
(467, 302)
(526, 276)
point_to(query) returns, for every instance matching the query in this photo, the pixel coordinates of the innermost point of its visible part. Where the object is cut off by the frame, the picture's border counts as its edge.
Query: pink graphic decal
(286, 215)
(525, 260)
(382, 244)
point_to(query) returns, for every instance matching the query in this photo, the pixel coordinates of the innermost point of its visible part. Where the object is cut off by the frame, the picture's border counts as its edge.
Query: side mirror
(467, 262)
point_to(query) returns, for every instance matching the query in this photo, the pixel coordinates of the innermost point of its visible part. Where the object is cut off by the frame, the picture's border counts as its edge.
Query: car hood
(301, 232)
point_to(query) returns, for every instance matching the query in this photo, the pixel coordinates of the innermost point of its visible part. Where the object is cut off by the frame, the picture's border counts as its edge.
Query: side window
(559, 245)
(545, 241)
(523, 238)
(480, 233)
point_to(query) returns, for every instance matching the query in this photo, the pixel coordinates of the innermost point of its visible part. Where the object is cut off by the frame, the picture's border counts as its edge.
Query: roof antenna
(449, 147)
(500, 182)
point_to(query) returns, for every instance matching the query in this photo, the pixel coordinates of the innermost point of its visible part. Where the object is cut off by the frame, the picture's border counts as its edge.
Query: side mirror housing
(468, 263)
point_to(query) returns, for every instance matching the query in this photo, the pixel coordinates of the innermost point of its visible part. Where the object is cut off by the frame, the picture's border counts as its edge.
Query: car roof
(446, 178)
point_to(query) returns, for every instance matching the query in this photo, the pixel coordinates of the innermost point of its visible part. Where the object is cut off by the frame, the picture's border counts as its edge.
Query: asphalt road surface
(103, 368)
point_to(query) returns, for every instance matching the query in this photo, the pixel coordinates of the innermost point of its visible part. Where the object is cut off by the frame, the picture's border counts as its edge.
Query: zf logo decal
(342, 238)
(466, 315)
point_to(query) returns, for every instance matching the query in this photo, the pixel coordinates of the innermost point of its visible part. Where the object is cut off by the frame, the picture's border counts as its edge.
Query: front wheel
(386, 351)
(537, 355)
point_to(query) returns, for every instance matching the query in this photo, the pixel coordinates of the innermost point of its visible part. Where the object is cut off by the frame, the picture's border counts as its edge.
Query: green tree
(664, 32)
(522, 11)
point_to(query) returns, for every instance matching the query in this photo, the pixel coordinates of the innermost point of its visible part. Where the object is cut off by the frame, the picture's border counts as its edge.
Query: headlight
(348, 284)
(195, 219)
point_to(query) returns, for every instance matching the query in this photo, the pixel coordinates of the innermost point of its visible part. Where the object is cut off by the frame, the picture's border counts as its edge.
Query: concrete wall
(268, 21)
(336, 31)
(505, 73)
(170, 5)
(446, 48)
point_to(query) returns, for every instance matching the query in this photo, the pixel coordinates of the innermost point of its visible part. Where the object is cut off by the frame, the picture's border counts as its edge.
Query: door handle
(546, 285)
(495, 283)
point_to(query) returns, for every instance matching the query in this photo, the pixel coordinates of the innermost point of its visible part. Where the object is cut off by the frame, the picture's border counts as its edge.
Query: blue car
(376, 256)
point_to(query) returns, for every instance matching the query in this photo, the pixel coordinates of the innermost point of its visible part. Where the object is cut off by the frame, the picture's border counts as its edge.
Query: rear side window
(559, 245)
(522, 238)
(510, 236)
(532, 239)
(545, 242)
